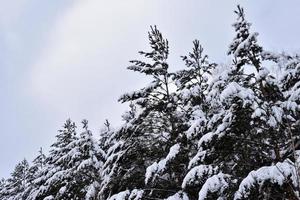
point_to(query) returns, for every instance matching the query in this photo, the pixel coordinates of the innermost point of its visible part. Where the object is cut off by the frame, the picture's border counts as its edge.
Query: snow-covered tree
(40, 160)
(155, 101)
(14, 187)
(152, 128)
(55, 174)
(35, 172)
(111, 172)
(280, 114)
(244, 46)
(106, 139)
(207, 131)
(87, 166)
(2, 183)
(73, 166)
(235, 140)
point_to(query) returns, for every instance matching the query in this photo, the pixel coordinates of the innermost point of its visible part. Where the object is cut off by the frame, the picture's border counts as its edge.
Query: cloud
(10, 11)
(77, 72)
(80, 71)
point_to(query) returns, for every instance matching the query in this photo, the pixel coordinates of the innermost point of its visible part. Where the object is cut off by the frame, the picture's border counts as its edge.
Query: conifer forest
(208, 131)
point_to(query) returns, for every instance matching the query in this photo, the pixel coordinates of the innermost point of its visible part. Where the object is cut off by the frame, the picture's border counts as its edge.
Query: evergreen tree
(192, 88)
(105, 135)
(2, 183)
(55, 175)
(152, 128)
(156, 100)
(14, 186)
(192, 82)
(40, 160)
(273, 119)
(281, 136)
(247, 135)
(231, 146)
(208, 131)
(87, 166)
(110, 174)
(244, 46)
(35, 172)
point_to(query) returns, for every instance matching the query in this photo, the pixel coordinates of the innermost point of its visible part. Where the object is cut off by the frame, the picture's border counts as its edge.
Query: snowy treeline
(208, 131)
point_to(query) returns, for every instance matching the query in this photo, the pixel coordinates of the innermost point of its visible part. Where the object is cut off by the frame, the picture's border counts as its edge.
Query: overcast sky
(68, 58)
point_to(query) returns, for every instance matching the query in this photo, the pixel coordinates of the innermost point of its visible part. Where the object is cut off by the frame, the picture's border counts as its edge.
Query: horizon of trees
(207, 131)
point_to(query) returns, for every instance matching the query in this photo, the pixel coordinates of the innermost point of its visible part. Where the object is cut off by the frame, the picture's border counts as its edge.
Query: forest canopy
(206, 131)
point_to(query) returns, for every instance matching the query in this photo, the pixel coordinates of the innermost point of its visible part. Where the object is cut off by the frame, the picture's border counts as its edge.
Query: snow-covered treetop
(244, 47)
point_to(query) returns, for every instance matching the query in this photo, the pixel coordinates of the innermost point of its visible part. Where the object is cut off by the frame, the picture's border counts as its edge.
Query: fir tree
(14, 187)
(55, 177)
(105, 135)
(231, 146)
(40, 160)
(157, 127)
(35, 172)
(208, 131)
(87, 167)
(192, 88)
(156, 100)
(244, 46)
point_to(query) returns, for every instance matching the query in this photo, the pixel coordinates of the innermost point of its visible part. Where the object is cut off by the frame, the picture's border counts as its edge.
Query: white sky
(61, 59)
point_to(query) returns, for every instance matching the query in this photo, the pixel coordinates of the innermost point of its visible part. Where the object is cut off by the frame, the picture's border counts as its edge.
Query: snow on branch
(276, 174)
(136, 194)
(159, 167)
(233, 89)
(219, 132)
(197, 158)
(92, 190)
(120, 196)
(217, 183)
(197, 124)
(128, 195)
(197, 174)
(179, 196)
(142, 93)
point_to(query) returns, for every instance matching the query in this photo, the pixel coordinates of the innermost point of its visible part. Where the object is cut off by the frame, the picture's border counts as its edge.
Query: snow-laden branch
(279, 174)
(159, 167)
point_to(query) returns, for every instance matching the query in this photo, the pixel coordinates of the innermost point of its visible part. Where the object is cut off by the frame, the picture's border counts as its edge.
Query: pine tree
(280, 133)
(192, 88)
(231, 146)
(290, 82)
(244, 46)
(55, 176)
(40, 160)
(192, 82)
(2, 183)
(105, 135)
(208, 131)
(35, 172)
(110, 173)
(14, 186)
(249, 139)
(272, 119)
(87, 166)
(155, 100)
(152, 127)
